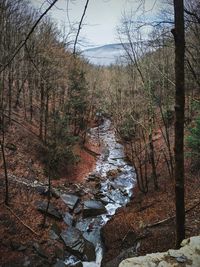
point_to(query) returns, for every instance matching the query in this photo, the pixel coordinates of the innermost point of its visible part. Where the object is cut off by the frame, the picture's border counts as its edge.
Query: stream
(117, 181)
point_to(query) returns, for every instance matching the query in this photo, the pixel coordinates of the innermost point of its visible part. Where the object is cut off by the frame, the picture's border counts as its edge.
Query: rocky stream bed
(90, 204)
(106, 189)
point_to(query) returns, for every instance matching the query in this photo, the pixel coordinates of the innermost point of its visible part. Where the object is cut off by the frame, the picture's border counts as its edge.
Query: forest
(98, 163)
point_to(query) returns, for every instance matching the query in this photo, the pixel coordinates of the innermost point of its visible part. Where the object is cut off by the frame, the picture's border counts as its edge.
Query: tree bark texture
(179, 37)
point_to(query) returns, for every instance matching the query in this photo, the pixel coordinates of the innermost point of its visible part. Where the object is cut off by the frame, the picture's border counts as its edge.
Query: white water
(111, 159)
(117, 190)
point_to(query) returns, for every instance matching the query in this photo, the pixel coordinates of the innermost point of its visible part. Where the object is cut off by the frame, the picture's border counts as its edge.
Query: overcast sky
(101, 20)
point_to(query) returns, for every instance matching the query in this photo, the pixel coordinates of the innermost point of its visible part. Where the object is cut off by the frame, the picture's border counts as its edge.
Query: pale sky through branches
(102, 17)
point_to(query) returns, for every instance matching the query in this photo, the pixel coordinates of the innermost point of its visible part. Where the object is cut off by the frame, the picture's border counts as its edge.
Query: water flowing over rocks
(70, 200)
(106, 189)
(52, 211)
(188, 256)
(78, 245)
(93, 208)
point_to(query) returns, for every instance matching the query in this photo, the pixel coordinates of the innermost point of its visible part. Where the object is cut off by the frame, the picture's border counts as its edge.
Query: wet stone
(70, 200)
(78, 245)
(52, 211)
(105, 200)
(93, 208)
(72, 261)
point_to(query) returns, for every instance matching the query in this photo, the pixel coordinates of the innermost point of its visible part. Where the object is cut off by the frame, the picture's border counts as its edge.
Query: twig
(28, 227)
(93, 153)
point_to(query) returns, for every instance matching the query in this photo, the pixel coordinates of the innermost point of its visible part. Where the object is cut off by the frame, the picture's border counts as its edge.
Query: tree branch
(79, 27)
(22, 43)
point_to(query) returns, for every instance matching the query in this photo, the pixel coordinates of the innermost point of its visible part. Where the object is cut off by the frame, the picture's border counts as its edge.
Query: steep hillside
(104, 55)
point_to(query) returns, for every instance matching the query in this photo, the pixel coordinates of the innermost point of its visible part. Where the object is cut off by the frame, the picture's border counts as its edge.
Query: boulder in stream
(77, 245)
(70, 200)
(93, 208)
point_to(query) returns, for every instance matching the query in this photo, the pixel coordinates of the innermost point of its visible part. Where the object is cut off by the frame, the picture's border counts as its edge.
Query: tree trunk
(41, 110)
(179, 37)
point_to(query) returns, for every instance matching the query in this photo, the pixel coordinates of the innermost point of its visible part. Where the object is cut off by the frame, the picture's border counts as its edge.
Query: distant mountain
(104, 55)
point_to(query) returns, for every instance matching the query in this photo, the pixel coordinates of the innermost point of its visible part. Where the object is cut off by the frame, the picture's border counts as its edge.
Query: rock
(68, 219)
(105, 200)
(22, 248)
(39, 250)
(99, 194)
(15, 245)
(93, 177)
(58, 252)
(113, 173)
(98, 185)
(187, 255)
(78, 210)
(56, 228)
(93, 208)
(59, 264)
(52, 211)
(130, 252)
(89, 251)
(42, 190)
(181, 259)
(55, 193)
(70, 200)
(77, 264)
(78, 245)
(27, 262)
(53, 235)
(72, 261)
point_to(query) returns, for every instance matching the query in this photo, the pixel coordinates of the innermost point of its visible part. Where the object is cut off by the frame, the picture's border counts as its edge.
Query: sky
(101, 19)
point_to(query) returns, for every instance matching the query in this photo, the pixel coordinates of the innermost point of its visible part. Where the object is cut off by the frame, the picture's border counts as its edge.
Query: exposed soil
(17, 240)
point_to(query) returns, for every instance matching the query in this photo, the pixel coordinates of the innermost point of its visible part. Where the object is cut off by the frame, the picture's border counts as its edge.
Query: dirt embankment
(23, 240)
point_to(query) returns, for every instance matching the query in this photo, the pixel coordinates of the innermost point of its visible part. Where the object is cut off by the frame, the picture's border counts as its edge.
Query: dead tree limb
(28, 227)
